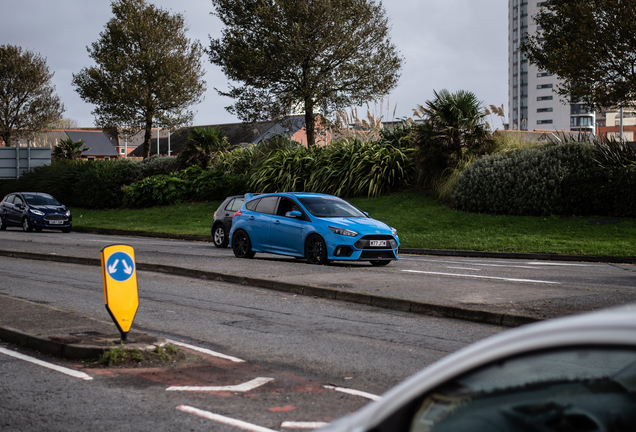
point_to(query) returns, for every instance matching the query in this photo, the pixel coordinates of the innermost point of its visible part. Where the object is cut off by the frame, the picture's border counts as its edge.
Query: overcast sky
(452, 44)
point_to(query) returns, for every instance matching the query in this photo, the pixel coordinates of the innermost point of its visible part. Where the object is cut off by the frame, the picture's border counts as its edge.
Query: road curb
(48, 346)
(432, 309)
(412, 251)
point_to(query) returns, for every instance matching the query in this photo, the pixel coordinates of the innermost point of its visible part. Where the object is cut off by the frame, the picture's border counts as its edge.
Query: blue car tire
(316, 250)
(241, 245)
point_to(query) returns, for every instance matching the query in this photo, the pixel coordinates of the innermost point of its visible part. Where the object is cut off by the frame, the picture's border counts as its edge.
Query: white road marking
(354, 392)
(67, 371)
(483, 277)
(207, 351)
(464, 268)
(473, 263)
(559, 264)
(224, 420)
(302, 425)
(245, 387)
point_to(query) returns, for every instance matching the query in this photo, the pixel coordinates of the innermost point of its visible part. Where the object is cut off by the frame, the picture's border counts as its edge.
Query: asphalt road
(299, 340)
(303, 343)
(530, 288)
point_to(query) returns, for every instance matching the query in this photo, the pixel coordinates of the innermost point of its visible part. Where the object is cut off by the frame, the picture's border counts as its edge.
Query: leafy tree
(326, 54)
(65, 123)
(589, 45)
(202, 146)
(69, 149)
(27, 100)
(454, 126)
(147, 71)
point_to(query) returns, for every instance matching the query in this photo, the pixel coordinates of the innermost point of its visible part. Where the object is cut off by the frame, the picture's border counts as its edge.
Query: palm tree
(69, 149)
(202, 146)
(454, 125)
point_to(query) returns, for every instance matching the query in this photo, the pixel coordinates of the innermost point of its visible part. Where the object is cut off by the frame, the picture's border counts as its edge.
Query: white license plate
(56, 222)
(377, 243)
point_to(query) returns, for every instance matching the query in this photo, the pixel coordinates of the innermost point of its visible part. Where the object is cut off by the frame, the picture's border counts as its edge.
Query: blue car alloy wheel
(317, 227)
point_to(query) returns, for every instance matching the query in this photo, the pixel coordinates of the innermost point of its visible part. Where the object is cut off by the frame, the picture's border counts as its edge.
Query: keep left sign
(119, 273)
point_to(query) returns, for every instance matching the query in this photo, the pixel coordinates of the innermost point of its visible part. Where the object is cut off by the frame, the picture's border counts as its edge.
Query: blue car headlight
(68, 213)
(343, 231)
(393, 232)
(36, 212)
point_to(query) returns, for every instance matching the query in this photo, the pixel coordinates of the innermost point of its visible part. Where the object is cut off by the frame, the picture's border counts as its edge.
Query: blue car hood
(360, 225)
(48, 209)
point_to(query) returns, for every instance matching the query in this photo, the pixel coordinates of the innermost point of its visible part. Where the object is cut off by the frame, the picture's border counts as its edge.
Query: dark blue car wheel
(316, 250)
(241, 245)
(3, 226)
(26, 224)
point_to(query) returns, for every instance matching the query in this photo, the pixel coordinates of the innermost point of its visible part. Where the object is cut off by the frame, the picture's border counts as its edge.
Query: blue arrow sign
(120, 266)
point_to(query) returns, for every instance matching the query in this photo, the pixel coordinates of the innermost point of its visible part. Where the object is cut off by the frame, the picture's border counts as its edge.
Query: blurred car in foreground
(318, 227)
(34, 210)
(222, 222)
(569, 374)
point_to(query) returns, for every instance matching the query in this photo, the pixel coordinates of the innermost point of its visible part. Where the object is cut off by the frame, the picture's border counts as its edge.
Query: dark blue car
(34, 210)
(318, 227)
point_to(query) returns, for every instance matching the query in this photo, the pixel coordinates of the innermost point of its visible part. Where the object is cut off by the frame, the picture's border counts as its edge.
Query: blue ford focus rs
(318, 227)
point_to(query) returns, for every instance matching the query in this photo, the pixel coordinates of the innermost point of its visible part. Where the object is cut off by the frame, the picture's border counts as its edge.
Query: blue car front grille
(373, 255)
(365, 242)
(55, 217)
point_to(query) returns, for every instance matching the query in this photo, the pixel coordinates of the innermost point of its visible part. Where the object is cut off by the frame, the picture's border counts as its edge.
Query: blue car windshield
(320, 206)
(41, 200)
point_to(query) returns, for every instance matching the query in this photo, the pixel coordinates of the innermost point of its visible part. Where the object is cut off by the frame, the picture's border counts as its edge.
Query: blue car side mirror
(294, 214)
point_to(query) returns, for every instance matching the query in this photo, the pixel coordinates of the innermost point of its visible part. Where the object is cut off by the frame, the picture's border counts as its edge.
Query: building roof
(97, 143)
(237, 134)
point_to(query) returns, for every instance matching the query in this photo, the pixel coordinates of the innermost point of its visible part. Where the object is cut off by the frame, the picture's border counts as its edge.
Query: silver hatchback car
(569, 374)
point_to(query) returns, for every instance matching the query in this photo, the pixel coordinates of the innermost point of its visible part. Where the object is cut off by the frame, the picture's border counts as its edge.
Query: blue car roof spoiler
(248, 196)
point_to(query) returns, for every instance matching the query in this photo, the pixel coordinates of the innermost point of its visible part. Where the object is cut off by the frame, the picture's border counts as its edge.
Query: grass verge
(421, 222)
(121, 357)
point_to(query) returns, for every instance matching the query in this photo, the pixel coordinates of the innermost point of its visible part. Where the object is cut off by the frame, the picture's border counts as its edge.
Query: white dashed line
(483, 277)
(354, 392)
(224, 420)
(67, 371)
(463, 268)
(302, 425)
(245, 387)
(207, 351)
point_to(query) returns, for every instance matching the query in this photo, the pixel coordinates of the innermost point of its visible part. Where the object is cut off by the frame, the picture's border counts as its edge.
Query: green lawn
(421, 223)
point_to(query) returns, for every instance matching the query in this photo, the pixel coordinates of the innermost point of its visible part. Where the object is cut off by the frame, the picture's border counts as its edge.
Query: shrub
(158, 165)
(99, 185)
(524, 182)
(57, 179)
(191, 184)
(286, 170)
(606, 191)
(160, 189)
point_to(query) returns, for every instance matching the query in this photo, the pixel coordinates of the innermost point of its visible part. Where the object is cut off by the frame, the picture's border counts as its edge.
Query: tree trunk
(147, 135)
(310, 123)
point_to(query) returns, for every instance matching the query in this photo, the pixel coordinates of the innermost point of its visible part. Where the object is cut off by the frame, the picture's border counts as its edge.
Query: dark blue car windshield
(330, 207)
(41, 200)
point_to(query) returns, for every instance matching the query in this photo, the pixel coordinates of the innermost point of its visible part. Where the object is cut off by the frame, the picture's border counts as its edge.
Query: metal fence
(15, 161)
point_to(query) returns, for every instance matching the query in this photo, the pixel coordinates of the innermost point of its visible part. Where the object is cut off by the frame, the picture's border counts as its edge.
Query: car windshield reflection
(326, 207)
(578, 389)
(41, 200)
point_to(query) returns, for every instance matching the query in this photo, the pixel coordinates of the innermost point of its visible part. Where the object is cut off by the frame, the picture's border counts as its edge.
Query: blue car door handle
(277, 222)
(251, 218)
